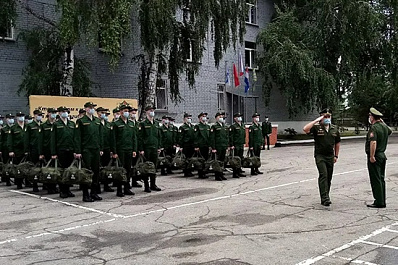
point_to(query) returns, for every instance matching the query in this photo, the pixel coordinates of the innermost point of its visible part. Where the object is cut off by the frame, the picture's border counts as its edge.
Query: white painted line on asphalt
(68, 204)
(391, 230)
(378, 244)
(343, 247)
(356, 261)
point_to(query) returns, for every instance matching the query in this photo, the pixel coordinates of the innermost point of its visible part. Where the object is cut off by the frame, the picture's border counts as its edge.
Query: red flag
(236, 77)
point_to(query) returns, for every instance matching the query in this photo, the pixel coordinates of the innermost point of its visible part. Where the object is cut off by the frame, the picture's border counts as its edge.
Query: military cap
(9, 116)
(37, 112)
(375, 112)
(107, 113)
(238, 115)
(89, 104)
(165, 117)
(1, 117)
(326, 111)
(122, 107)
(171, 118)
(51, 110)
(115, 110)
(63, 108)
(20, 114)
(149, 108)
(133, 109)
(81, 111)
(101, 109)
(217, 114)
(202, 114)
(186, 115)
(28, 117)
(255, 115)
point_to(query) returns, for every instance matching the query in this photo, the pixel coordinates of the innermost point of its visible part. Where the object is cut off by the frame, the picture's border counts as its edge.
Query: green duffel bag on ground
(212, 165)
(71, 174)
(114, 171)
(51, 175)
(179, 161)
(163, 160)
(197, 161)
(34, 173)
(232, 161)
(251, 160)
(24, 168)
(145, 168)
(85, 174)
(9, 169)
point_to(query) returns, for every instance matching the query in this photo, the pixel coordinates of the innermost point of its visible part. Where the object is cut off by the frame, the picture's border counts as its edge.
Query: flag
(227, 79)
(254, 75)
(247, 85)
(241, 68)
(236, 77)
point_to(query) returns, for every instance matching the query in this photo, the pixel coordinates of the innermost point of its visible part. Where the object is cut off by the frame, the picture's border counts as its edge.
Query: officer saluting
(376, 145)
(327, 148)
(219, 141)
(202, 139)
(237, 137)
(255, 140)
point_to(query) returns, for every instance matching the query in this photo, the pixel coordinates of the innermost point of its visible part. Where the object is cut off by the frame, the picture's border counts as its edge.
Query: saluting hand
(319, 118)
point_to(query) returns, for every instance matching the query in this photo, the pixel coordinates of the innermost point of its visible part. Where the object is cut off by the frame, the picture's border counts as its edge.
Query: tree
(318, 51)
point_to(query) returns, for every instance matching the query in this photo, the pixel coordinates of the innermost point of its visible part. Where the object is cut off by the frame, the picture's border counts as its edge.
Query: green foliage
(316, 52)
(8, 15)
(43, 74)
(184, 35)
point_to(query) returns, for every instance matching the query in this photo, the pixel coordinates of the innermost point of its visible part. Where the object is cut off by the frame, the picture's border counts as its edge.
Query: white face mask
(166, 121)
(221, 120)
(1, 122)
(152, 114)
(133, 115)
(239, 119)
(257, 119)
(117, 116)
(189, 120)
(204, 119)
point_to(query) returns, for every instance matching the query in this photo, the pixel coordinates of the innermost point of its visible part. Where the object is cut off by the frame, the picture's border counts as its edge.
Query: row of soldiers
(96, 141)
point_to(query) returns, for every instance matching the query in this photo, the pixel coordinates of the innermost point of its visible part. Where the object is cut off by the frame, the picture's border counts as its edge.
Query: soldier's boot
(259, 172)
(18, 182)
(146, 185)
(222, 176)
(127, 190)
(68, 192)
(239, 172)
(28, 184)
(253, 172)
(107, 188)
(163, 171)
(63, 192)
(35, 187)
(235, 173)
(218, 176)
(153, 184)
(169, 171)
(263, 147)
(119, 191)
(8, 181)
(86, 196)
(202, 175)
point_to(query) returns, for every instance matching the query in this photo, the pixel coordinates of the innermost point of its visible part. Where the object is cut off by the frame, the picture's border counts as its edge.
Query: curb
(310, 141)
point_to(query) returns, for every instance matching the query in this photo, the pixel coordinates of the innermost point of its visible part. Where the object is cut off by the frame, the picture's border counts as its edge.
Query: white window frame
(248, 61)
(252, 7)
(11, 31)
(164, 89)
(221, 92)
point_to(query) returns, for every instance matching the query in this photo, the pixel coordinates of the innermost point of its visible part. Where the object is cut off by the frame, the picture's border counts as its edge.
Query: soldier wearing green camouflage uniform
(125, 146)
(237, 138)
(149, 143)
(89, 148)
(32, 136)
(186, 140)
(5, 130)
(168, 142)
(16, 143)
(219, 141)
(327, 148)
(62, 145)
(202, 139)
(255, 140)
(45, 141)
(376, 145)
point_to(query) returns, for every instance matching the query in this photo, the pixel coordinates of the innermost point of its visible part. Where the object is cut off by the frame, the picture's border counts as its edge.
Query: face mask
(126, 114)
(171, 123)
(106, 118)
(11, 121)
(166, 121)
(133, 115)
(239, 119)
(1, 122)
(152, 114)
(327, 121)
(103, 116)
(64, 114)
(189, 120)
(117, 117)
(266, 119)
(39, 118)
(204, 118)
(257, 119)
(21, 119)
(53, 115)
(221, 120)
(91, 111)
(30, 121)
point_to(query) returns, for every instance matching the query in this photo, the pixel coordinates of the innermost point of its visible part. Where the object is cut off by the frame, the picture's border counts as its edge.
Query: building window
(221, 96)
(250, 54)
(252, 12)
(161, 94)
(7, 33)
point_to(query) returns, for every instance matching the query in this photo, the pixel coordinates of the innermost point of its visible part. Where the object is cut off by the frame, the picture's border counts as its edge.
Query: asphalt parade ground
(274, 218)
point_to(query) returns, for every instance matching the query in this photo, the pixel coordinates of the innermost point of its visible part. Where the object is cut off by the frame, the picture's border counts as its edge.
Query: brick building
(210, 93)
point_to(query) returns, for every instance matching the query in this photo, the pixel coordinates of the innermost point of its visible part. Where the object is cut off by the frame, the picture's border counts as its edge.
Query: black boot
(218, 176)
(169, 171)
(235, 174)
(146, 185)
(107, 188)
(119, 192)
(35, 187)
(163, 172)
(86, 196)
(258, 172)
(127, 190)
(153, 184)
(253, 172)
